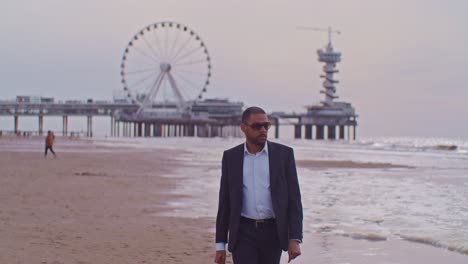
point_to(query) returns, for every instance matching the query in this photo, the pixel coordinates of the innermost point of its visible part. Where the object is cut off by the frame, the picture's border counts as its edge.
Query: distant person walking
(49, 143)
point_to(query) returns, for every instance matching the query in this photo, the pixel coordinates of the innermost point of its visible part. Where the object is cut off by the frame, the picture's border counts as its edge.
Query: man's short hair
(251, 110)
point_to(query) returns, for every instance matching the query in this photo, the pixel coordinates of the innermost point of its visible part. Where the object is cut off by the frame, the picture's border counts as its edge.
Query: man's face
(256, 129)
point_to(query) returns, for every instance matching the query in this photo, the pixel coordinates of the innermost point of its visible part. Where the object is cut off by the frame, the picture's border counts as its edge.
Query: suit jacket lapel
(238, 172)
(273, 166)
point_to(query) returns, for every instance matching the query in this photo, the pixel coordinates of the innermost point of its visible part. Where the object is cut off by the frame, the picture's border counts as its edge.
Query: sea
(424, 199)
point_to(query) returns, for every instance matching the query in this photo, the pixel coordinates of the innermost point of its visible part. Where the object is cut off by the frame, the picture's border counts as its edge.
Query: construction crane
(329, 30)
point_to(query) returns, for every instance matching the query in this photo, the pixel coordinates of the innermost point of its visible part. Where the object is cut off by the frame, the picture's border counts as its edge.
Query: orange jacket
(50, 140)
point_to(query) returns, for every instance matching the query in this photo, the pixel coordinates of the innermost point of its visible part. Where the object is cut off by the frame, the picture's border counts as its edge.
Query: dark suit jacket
(285, 195)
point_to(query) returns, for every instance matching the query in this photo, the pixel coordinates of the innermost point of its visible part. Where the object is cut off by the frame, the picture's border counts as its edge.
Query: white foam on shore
(459, 248)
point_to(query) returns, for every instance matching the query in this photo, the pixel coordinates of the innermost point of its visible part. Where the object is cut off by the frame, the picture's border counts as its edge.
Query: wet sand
(104, 205)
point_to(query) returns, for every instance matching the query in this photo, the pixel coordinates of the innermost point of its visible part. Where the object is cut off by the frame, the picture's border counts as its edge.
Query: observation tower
(329, 119)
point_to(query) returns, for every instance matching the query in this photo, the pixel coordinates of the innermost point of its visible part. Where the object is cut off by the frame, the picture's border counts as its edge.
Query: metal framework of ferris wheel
(165, 68)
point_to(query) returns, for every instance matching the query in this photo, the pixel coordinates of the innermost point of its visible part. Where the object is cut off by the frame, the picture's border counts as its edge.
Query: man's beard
(257, 141)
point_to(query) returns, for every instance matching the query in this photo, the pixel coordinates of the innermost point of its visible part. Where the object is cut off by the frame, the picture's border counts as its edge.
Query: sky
(404, 62)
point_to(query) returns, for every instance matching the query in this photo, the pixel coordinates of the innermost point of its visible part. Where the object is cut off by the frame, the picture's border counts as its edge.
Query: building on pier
(206, 118)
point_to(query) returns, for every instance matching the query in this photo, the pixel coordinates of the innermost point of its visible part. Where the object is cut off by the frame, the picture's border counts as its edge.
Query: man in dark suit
(260, 207)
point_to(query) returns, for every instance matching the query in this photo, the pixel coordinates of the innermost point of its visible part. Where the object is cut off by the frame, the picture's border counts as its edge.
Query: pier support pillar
(168, 130)
(276, 128)
(89, 130)
(297, 131)
(158, 130)
(308, 131)
(332, 132)
(354, 132)
(65, 125)
(112, 126)
(140, 129)
(342, 132)
(41, 124)
(16, 127)
(320, 132)
(117, 125)
(202, 131)
(214, 131)
(147, 129)
(191, 130)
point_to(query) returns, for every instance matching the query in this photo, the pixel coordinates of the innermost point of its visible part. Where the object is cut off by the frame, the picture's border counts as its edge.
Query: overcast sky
(404, 64)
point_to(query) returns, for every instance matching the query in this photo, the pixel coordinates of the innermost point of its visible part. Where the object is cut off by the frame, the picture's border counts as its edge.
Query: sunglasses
(258, 126)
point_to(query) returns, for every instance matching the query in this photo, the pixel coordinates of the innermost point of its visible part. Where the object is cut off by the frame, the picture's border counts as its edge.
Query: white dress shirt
(256, 192)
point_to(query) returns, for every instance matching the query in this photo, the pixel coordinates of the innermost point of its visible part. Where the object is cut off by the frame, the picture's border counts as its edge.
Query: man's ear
(243, 127)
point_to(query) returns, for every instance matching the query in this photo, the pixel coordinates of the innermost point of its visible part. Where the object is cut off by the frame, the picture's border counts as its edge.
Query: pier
(209, 118)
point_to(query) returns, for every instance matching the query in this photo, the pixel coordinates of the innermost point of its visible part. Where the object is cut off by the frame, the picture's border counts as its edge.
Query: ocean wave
(446, 147)
(368, 236)
(416, 144)
(463, 249)
(358, 236)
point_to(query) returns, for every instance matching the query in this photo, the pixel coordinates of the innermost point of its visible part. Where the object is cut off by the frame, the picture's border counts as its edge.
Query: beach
(93, 205)
(154, 201)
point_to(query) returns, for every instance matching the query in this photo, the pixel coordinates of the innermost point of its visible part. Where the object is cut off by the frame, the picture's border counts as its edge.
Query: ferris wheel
(165, 65)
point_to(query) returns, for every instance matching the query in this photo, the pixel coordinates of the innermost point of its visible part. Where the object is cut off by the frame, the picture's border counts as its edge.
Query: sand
(93, 207)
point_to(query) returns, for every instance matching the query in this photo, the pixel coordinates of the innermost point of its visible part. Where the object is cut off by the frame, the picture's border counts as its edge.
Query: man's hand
(220, 257)
(294, 250)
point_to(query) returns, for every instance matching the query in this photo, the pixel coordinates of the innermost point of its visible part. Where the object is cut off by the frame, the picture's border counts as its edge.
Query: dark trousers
(51, 150)
(257, 244)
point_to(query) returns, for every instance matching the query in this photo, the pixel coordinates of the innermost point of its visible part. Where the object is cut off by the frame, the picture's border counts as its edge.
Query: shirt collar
(265, 149)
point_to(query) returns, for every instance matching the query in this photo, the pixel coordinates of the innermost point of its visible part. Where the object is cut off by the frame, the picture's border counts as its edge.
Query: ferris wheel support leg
(153, 92)
(179, 96)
